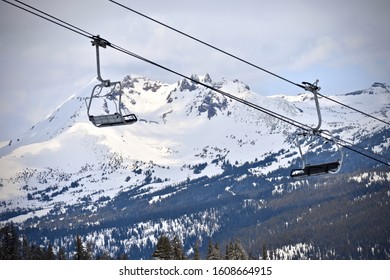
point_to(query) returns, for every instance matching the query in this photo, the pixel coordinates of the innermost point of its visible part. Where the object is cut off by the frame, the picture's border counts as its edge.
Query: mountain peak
(380, 85)
(203, 79)
(186, 85)
(376, 88)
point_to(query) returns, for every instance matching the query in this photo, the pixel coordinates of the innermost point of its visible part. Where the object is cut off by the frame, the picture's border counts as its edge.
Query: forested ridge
(345, 217)
(16, 247)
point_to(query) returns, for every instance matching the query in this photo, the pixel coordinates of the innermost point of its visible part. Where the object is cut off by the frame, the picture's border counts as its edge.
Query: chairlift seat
(112, 120)
(316, 169)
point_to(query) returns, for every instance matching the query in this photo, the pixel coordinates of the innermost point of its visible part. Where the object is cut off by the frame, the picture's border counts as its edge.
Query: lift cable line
(359, 150)
(354, 109)
(304, 127)
(89, 35)
(245, 102)
(290, 121)
(207, 44)
(121, 116)
(238, 58)
(50, 18)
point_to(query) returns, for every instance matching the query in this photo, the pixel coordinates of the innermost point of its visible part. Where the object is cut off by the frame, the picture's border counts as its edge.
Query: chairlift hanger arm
(100, 42)
(314, 88)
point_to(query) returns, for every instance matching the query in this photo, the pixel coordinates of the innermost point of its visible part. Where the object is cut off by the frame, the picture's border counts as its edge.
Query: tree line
(12, 247)
(16, 247)
(167, 249)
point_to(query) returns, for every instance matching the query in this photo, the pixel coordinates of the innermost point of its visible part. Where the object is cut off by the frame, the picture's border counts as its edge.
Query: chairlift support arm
(314, 88)
(100, 42)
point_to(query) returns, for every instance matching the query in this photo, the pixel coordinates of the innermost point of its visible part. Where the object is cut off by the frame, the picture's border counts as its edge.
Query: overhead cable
(297, 124)
(50, 18)
(354, 148)
(354, 109)
(66, 24)
(237, 58)
(207, 44)
(280, 117)
(245, 102)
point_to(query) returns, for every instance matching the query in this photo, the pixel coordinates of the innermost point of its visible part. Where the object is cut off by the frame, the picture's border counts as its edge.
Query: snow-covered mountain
(184, 133)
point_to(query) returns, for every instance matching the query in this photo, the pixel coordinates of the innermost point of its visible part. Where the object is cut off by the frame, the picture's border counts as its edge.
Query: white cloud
(323, 50)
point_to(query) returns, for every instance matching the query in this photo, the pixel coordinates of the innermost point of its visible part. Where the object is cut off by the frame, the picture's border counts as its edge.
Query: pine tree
(213, 251)
(37, 253)
(79, 249)
(229, 254)
(50, 254)
(61, 254)
(265, 254)
(122, 256)
(89, 250)
(240, 252)
(196, 251)
(217, 251)
(9, 243)
(177, 249)
(104, 256)
(235, 251)
(26, 251)
(81, 253)
(163, 249)
(210, 250)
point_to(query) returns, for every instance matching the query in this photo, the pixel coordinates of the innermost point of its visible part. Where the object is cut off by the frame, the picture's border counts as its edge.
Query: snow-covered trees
(163, 249)
(177, 249)
(235, 251)
(82, 252)
(167, 249)
(213, 252)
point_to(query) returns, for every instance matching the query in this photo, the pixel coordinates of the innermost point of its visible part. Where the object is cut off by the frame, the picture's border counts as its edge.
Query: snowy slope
(184, 132)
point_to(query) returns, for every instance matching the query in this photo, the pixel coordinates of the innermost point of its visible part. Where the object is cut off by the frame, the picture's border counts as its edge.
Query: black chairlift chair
(106, 120)
(317, 168)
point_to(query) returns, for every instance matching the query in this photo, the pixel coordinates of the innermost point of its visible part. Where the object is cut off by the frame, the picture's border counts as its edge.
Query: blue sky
(344, 44)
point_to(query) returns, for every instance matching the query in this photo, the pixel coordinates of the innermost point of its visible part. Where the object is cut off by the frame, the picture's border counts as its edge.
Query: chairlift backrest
(308, 167)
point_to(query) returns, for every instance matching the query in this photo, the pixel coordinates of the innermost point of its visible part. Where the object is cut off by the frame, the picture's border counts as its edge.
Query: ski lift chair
(309, 169)
(106, 120)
